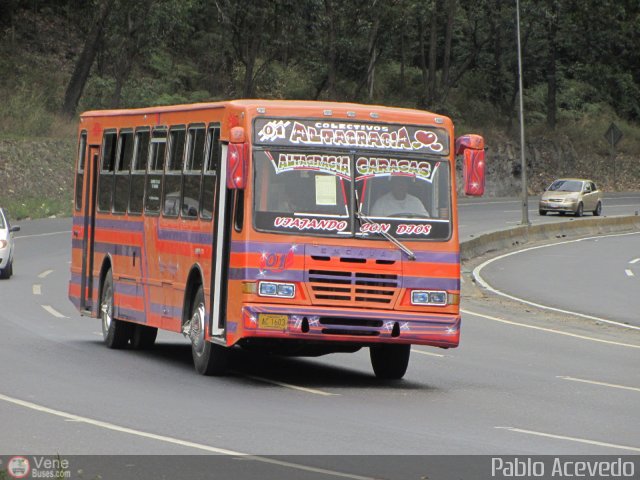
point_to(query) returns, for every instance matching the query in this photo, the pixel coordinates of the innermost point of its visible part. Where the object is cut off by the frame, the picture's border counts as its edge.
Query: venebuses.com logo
(18, 467)
(37, 467)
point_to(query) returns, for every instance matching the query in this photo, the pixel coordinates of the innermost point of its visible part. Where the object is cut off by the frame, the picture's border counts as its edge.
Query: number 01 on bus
(299, 228)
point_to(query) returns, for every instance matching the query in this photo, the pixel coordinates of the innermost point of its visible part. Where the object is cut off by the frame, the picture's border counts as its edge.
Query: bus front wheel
(390, 362)
(208, 358)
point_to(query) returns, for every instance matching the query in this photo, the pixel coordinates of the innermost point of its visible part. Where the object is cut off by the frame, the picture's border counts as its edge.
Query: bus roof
(360, 112)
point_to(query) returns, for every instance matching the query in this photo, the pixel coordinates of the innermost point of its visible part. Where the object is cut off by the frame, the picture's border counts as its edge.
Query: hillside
(167, 53)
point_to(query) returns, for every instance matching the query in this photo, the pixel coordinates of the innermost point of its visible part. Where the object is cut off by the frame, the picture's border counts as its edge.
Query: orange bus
(293, 227)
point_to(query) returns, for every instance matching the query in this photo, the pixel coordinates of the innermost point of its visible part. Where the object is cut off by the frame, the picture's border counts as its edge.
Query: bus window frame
(136, 172)
(156, 172)
(173, 172)
(102, 173)
(188, 172)
(206, 171)
(121, 173)
(80, 170)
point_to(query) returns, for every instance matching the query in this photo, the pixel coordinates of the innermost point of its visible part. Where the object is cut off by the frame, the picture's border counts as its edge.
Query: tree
(85, 61)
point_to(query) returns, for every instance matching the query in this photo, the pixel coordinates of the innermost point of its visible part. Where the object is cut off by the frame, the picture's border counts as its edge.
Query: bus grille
(334, 287)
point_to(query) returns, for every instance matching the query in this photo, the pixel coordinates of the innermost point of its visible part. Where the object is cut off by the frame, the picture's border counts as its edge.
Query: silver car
(6, 246)
(571, 195)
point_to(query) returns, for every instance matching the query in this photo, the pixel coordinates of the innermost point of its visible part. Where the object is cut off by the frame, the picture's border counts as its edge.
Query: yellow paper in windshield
(325, 190)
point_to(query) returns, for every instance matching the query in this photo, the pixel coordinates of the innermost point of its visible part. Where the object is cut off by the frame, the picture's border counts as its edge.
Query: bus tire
(115, 333)
(143, 337)
(390, 361)
(208, 358)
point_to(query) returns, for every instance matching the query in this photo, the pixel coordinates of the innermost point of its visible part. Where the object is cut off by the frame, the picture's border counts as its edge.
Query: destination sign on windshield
(406, 138)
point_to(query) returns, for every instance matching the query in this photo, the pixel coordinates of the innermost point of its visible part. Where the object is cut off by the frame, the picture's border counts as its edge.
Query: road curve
(519, 384)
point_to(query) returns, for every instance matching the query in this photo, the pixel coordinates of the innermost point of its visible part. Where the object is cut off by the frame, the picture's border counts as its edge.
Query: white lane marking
(37, 290)
(288, 385)
(549, 330)
(45, 274)
(53, 311)
(629, 273)
(602, 384)
(571, 439)
(414, 350)
(43, 234)
(175, 441)
(477, 275)
(635, 260)
(486, 203)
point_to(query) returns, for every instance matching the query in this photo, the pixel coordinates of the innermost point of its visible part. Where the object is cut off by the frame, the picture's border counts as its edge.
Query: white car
(6, 246)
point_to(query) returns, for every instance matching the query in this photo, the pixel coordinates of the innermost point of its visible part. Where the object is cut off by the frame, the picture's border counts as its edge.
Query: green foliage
(23, 112)
(157, 52)
(36, 207)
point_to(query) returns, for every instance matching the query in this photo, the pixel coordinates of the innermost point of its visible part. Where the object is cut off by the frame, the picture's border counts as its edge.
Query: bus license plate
(272, 322)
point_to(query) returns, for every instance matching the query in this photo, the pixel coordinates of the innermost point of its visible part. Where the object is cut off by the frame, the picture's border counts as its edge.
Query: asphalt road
(521, 383)
(597, 277)
(481, 215)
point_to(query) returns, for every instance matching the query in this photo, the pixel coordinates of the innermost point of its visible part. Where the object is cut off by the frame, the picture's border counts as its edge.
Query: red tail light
(237, 157)
(473, 164)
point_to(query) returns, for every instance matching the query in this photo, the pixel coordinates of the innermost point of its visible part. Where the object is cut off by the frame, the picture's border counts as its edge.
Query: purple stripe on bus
(127, 288)
(128, 314)
(431, 283)
(334, 251)
(166, 310)
(257, 274)
(122, 225)
(262, 247)
(185, 236)
(301, 276)
(117, 249)
(437, 257)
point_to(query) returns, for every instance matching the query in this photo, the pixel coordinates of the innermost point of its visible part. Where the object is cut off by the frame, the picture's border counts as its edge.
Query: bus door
(89, 223)
(214, 185)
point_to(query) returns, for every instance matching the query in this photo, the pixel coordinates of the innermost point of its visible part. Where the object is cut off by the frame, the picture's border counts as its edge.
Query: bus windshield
(311, 193)
(304, 192)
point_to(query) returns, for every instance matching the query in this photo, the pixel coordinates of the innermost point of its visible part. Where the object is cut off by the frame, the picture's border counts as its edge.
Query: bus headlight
(428, 297)
(276, 289)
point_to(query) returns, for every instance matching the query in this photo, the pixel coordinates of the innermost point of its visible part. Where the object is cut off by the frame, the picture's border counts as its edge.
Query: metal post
(525, 198)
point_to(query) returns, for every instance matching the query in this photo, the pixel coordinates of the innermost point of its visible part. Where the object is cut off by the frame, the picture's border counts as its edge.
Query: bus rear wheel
(115, 333)
(208, 358)
(390, 362)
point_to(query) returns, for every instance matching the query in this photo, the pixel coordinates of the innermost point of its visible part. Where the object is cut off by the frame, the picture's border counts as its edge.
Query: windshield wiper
(388, 236)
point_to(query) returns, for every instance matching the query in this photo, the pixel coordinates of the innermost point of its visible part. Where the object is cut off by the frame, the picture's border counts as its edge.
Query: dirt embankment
(551, 158)
(36, 177)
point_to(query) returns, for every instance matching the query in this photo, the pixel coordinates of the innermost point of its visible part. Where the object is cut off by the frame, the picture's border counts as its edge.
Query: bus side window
(82, 155)
(123, 166)
(194, 160)
(107, 165)
(138, 170)
(210, 172)
(153, 189)
(172, 194)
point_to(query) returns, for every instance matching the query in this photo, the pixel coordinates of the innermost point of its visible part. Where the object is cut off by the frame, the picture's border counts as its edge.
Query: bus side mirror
(237, 158)
(473, 164)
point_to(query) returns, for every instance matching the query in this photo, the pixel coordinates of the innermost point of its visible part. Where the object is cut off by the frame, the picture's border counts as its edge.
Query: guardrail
(514, 237)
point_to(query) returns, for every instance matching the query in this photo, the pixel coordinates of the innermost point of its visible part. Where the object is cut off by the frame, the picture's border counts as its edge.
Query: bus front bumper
(350, 325)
